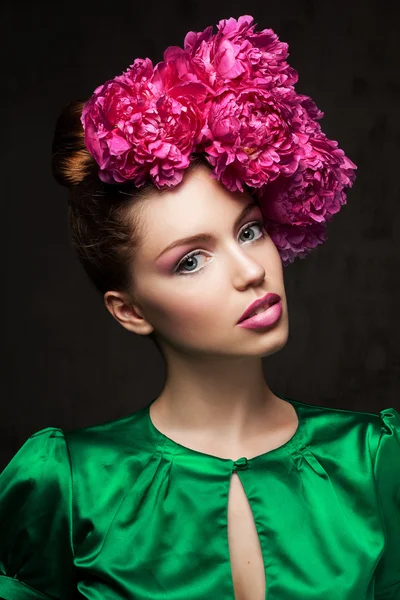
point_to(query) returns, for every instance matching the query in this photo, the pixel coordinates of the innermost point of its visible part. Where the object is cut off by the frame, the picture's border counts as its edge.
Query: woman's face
(194, 304)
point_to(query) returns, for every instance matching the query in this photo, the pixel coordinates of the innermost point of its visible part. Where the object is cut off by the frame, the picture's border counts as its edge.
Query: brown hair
(105, 232)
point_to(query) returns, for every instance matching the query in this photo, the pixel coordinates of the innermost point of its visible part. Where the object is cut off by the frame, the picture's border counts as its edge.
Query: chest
(289, 526)
(247, 565)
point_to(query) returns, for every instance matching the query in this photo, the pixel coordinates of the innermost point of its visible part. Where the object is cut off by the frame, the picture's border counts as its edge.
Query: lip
(267, 299)
(265, 319)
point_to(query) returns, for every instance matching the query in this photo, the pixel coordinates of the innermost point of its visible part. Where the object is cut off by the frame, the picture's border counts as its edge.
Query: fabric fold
(387, 476)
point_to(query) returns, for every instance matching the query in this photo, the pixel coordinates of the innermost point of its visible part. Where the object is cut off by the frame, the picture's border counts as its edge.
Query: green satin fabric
(118, 511)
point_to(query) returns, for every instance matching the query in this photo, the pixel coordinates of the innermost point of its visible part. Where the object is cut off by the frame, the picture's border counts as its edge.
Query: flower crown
(229, 96)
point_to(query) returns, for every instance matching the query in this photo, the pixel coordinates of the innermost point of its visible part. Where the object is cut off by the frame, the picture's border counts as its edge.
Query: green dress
(118, 511)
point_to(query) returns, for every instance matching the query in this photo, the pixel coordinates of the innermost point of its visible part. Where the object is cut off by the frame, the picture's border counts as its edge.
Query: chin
(274, 340)
(275, 348)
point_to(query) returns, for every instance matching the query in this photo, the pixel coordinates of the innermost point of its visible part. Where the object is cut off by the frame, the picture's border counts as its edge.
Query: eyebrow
(206, 237)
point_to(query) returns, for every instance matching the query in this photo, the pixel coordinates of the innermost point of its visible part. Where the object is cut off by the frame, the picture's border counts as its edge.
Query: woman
(219, 488)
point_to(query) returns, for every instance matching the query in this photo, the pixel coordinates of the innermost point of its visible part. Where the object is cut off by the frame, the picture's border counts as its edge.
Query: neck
(216, 398)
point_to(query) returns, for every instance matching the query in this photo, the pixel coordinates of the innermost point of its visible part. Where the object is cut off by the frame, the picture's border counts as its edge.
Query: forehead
(197, 202)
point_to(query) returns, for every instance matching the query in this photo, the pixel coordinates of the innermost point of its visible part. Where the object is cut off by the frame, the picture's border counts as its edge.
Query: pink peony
(255, 136)
(295, 241)
(145, 122)
(316, 191)
(236, 56)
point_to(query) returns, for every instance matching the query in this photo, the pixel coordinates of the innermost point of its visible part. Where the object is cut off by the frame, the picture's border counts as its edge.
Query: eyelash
(196, 252)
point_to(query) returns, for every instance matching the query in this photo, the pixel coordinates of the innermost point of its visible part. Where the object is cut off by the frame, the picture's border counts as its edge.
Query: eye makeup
(205, 237)
(177, 269)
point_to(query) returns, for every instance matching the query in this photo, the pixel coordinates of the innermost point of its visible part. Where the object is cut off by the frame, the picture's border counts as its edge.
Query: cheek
(194, 308)
(187, 305)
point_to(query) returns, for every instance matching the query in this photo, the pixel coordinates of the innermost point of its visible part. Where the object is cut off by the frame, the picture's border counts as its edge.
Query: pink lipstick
(273, 310)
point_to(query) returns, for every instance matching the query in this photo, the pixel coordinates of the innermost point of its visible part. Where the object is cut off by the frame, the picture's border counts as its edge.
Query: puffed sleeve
(36, 550)
(387, 476)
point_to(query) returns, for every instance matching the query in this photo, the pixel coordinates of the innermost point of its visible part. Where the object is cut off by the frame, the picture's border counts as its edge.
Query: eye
(189, 259)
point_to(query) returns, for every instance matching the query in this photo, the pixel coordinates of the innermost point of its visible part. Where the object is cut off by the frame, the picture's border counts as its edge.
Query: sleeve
(387, 477)
(36, 550)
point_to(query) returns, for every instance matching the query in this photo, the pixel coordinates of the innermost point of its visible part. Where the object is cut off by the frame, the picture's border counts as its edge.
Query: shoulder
(36, 517)
(328, 426)
(125, 434)
(41, 465)
(110, 454)
(387, 451)
(319, 415)
(38, 456)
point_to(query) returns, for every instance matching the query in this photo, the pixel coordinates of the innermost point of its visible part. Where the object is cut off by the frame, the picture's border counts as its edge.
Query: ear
(127, 313)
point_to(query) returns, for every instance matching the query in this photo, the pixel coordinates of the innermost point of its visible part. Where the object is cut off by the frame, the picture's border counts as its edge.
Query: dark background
(66, 361)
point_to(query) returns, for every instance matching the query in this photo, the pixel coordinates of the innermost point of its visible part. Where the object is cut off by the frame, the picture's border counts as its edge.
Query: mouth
(260, 305)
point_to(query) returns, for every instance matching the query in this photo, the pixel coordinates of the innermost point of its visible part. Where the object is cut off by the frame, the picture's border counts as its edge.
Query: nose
(248, 270)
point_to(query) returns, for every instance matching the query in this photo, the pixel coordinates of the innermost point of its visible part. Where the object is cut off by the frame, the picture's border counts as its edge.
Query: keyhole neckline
(245, 460)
